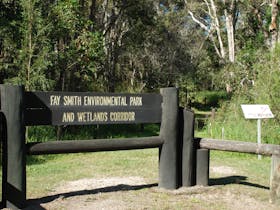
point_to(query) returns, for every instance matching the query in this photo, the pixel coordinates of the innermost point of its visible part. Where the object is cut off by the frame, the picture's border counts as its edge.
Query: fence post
(188, 160)
(15, 183)
(168, 162)
(202, 167)
(275, 179)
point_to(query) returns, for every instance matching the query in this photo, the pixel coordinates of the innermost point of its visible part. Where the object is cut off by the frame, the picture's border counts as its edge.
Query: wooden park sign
(79, 108)
(182, 161)
(19, 108)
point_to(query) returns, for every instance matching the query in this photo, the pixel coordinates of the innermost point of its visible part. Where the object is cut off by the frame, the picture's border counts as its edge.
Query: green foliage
(264, 90)
(32, 58)
(65, 18)
(43, 42)
(139, 46)
(204, 100)
(41, 133)
(9, 34)
(187, 91)
(229, 123)
(48, 133)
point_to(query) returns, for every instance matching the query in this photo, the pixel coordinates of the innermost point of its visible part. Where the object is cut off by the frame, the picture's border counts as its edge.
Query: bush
(204, 100)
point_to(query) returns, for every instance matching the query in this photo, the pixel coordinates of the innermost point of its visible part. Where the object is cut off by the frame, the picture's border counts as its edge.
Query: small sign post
(257, 111)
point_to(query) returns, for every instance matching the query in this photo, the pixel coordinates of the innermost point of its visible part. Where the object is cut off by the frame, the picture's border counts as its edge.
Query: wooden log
(12, 108)
(239, 146)
(202, 167)
(275, 179)
(188, 160)
(96, 145)
(168, 156)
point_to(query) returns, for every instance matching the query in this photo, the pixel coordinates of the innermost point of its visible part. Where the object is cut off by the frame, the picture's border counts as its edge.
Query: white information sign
(257, 111)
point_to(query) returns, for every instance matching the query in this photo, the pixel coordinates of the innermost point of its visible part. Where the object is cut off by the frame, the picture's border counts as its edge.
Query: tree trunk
(229, 12)
(273, 24)
(92, 10)
(217, 27)
(230, 36)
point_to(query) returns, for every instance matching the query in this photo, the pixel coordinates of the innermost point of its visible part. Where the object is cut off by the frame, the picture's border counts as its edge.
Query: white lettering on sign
(54, 100)
(256, 111)
(72, 100)
(122, 116)
(68, 117)
(105, 101)
(92, 116)
(135, 101)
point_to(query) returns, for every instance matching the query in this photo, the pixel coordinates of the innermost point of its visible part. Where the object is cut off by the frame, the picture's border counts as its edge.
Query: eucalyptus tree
(214, 16)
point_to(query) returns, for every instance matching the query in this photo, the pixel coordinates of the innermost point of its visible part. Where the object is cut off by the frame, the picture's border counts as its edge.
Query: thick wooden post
(15, 183)
(202, 167)
(275, 179)
(3, 133)
(188, 160)
(168, 156)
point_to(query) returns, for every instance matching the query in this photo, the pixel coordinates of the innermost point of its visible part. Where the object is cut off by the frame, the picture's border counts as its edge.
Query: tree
(210, 20)
(31, 60)
(77, 52)
(273, 27)
(9, 38)
(116, 22)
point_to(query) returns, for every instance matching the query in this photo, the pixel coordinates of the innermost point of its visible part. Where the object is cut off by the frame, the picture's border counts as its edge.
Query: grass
(250, 178)
(41, 178)
(257, 171)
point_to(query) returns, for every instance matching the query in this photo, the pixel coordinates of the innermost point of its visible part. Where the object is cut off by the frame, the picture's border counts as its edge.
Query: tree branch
(202, 25)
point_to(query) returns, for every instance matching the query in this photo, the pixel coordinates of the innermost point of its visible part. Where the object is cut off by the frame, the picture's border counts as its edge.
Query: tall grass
(229, 123)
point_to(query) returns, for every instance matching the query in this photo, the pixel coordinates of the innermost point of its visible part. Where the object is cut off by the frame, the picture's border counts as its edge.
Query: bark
(210, 34)
(28, 66)
(273, 25)
(92, 11)
(214, 29)
(217, 27)
(29, 38)
(239, 146)
(230, 19)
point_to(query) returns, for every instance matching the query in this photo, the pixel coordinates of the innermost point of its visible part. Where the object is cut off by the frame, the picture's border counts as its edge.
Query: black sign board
(80, 108)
